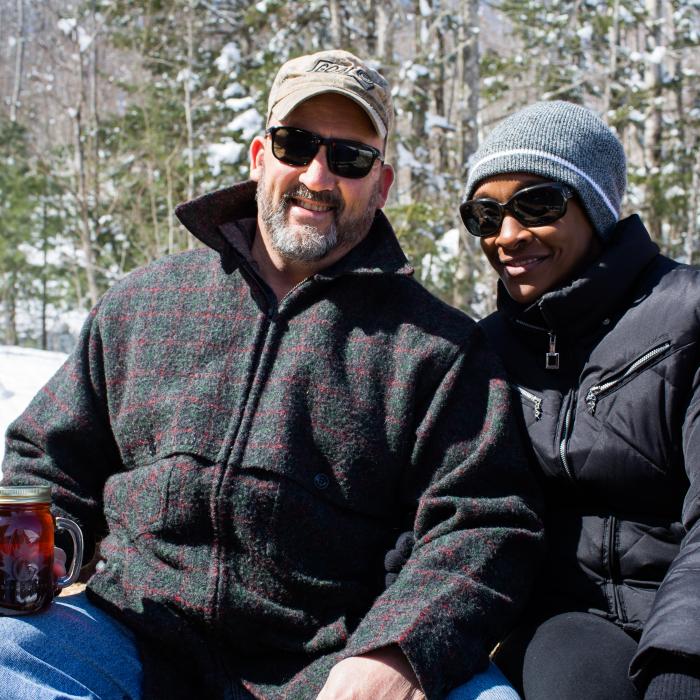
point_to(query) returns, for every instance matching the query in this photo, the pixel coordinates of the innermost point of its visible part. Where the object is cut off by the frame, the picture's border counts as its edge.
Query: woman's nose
(511, 233)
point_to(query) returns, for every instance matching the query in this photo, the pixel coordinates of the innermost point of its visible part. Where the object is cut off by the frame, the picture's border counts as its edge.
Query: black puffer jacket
(615, 431)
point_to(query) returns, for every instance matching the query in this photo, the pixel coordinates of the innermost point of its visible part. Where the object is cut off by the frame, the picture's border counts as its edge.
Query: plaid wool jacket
(246, 464)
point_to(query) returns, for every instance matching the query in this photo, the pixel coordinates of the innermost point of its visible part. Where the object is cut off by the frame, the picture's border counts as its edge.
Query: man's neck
(281, 274)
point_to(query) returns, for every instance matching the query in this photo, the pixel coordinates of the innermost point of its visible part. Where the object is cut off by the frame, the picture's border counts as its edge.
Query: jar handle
(76, 535)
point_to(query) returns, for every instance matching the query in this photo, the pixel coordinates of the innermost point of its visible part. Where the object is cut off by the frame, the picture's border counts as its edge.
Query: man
(246, 429)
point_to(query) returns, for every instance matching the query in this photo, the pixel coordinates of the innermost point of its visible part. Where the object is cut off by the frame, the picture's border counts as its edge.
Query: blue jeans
(489, 685)
(76, 651)
(73, 650)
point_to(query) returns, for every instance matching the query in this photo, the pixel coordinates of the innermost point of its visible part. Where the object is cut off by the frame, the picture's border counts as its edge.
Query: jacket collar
(226, 219)
(583, 303)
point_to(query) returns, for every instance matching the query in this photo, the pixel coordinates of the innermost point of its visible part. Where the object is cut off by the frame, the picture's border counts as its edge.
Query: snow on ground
(23, 372)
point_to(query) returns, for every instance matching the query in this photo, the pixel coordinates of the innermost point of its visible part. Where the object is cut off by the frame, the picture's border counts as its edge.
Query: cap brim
(284, 107)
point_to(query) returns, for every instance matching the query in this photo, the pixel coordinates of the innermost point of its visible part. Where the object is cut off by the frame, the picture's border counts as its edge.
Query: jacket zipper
(292, 290)
(598, 390)
(566, 434)
(536, 401)
(611, 565)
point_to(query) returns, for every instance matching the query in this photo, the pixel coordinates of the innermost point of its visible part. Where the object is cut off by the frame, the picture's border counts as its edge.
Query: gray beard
(309, 243)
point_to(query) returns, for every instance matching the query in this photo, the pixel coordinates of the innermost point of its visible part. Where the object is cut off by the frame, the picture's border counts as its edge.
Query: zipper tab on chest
(552, 357)
(598, 390)
(536, 401)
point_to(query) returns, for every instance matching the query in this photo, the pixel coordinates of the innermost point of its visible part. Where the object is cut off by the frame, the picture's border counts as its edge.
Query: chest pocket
(532, 404)
(166, 503)
(319, 530)
(607, 387)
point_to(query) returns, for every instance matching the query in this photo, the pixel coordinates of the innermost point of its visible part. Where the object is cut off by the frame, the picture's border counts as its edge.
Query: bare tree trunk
(85, 232)
(188, 100)
(467, 82)
(10, 304)
(613, 42)
(385, 32)
(421, 105)
(653, 123)
(44, 276)
(153, 201)
(188, 105)
(19, 62)
(170, 205)
(95, 122)
(693, 214)
(371, 15)
(467, 135)
(337, 34)
(439, 154)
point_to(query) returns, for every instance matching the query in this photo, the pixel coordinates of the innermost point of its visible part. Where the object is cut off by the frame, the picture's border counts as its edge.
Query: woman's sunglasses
(298, 147)
(532, 206)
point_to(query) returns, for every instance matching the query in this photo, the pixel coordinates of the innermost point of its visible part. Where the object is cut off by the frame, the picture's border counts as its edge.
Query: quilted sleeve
(671, 632)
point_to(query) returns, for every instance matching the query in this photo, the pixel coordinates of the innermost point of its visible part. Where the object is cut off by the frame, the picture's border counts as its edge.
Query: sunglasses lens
(350, 160)
(539, 205)
(299, 147)
(534, 206)
(294, 146)
(482, 217)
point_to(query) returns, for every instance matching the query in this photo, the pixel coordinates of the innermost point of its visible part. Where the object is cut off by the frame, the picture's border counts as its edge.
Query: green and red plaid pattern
(247, 464)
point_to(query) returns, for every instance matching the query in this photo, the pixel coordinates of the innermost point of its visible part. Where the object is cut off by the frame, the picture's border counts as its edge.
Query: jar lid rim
(25, 494)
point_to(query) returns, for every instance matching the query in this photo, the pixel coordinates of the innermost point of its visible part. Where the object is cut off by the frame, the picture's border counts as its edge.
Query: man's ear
(386, 179)
(256, 153)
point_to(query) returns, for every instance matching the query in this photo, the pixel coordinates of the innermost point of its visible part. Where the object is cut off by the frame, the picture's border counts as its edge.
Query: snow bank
(23, 372)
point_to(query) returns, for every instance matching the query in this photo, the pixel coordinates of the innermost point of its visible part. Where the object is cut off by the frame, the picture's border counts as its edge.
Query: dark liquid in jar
(26, 558)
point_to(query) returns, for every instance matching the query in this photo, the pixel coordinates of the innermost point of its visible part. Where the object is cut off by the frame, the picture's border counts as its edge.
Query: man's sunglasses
(298, 147)
(532, 206)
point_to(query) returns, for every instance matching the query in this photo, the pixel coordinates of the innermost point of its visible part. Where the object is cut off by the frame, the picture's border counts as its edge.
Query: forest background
(114, 111)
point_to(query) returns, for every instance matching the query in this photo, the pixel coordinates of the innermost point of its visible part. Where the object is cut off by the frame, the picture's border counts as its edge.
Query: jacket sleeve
(671, 632)
(478, 537)
(63, 438)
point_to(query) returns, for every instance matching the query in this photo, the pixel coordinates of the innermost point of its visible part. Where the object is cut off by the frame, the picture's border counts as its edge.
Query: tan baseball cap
(332, 71)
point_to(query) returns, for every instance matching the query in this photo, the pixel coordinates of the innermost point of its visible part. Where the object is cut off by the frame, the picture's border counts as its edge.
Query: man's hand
(59, 563)
(384, 674)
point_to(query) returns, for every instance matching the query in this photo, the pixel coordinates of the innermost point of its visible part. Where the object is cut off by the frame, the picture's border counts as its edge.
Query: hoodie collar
(226, 219)
(595, 294)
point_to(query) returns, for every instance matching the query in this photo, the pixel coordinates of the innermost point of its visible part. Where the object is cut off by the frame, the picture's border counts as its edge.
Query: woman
(599, 334)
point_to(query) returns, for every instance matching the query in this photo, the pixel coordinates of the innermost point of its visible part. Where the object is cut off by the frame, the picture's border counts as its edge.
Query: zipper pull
(591, 401)
(551, 360)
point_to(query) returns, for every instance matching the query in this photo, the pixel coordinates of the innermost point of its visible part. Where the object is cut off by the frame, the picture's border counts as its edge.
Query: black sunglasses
(298, 147)
(532, 206)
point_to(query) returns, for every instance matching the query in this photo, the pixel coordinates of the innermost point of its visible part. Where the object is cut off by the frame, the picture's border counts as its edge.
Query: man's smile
(311, 206)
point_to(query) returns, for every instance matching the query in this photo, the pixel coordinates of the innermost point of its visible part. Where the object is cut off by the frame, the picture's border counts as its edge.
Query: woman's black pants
(572, 656)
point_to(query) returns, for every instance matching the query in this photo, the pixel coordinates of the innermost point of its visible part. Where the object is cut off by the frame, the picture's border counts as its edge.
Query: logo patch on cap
(323, 66)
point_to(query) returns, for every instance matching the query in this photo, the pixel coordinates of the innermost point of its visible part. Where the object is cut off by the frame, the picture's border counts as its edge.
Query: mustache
(322, 197)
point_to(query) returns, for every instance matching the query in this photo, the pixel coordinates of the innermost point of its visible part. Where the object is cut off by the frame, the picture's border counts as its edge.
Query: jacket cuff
(676, 678)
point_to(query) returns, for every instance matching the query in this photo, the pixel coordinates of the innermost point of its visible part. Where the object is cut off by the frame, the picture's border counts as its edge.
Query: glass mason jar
(27, 580)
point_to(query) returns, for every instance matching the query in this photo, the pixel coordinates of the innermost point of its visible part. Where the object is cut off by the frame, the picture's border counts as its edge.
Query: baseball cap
(332, 71)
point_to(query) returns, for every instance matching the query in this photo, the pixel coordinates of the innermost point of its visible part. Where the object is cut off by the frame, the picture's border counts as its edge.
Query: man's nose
(316, 175)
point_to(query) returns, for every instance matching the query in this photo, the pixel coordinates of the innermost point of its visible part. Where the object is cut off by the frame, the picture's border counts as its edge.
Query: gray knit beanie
(562, 141)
